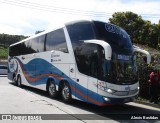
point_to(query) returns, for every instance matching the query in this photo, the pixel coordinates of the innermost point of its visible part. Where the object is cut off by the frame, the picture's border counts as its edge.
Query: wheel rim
(66, 92)
(52, 88)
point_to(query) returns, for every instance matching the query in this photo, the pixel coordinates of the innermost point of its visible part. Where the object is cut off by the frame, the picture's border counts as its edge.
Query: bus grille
(125, 93)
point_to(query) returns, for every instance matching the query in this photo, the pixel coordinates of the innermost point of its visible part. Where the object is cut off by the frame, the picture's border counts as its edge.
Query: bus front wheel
(66, 93)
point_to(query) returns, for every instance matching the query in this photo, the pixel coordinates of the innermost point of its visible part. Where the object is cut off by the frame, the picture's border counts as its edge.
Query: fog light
(106, 99)
(138, 88)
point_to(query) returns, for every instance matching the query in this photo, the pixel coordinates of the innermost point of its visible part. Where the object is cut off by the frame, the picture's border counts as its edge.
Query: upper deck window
(56, 41)
(80, 31)
(115, 36)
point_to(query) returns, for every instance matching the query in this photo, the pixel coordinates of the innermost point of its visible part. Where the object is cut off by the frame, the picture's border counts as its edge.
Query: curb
(148, 104)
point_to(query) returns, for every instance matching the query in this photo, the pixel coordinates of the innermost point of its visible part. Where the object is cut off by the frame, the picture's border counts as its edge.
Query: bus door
(97, 68)
(86, 76)
(92, 89)
(93, 73)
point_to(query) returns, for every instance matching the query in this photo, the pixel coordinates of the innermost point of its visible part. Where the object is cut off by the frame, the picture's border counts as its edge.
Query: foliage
(6, 40)
(39, 31)
(140, 31)
(3, 53)
(143, 72)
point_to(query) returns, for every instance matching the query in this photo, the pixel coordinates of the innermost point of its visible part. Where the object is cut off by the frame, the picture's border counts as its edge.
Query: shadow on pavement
(121, 113)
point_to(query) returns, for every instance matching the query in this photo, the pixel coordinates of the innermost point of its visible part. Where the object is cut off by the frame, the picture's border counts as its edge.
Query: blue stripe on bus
(77, 90)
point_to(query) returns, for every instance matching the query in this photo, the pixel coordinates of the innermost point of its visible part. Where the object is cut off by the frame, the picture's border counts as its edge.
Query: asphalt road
(26, 101)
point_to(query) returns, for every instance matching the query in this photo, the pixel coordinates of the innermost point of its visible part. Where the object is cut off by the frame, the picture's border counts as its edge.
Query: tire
(14, 79)
(52, 89)
(19, 82)
(66, 93)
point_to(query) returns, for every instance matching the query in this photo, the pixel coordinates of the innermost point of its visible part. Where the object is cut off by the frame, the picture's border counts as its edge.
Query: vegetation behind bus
(140, 31)
(144, 70)
(146, 35)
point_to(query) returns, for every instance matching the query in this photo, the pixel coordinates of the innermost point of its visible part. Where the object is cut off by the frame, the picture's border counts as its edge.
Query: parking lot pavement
(16, 100)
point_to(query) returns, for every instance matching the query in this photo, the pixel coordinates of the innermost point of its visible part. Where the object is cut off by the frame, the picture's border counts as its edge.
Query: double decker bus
(88, 60)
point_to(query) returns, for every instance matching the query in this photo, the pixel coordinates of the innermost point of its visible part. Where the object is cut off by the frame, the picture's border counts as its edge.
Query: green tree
(6, 40)
(140, 31)
(39, 31)
(130, 22)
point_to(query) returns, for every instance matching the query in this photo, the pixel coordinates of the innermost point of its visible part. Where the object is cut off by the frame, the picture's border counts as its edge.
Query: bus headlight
(110, 91)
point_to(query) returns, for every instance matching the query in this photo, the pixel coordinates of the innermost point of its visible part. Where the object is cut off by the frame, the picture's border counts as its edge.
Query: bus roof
(52, 28)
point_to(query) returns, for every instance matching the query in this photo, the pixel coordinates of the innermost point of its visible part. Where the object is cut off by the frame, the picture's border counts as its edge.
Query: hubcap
(51, 88)
(66, 92)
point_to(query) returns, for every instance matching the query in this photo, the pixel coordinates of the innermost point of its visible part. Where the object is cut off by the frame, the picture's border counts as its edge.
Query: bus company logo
(114, 29)
(13, 65)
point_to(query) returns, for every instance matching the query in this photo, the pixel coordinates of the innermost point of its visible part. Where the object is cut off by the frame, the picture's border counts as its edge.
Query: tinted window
(80, 31)
(34, 44)
(31, 46)
(41, 43)
(115, 36)
(87, 59)
(3, 67)
(37, 44)
(15, 50)
(56, 41)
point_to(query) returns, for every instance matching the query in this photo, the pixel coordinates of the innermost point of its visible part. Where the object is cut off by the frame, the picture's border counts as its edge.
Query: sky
(25, 17)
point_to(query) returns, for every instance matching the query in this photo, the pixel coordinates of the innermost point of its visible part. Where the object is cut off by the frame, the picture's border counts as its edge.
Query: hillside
(3, 53)
(6, 39)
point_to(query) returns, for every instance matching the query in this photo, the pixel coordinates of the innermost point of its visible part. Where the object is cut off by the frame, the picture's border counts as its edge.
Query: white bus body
(90, 61)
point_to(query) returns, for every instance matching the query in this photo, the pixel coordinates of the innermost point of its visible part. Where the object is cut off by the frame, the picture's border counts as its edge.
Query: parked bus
(91, 61)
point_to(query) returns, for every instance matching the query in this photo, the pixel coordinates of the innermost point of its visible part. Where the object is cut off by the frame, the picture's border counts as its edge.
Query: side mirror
(148, 56)
(105, 45)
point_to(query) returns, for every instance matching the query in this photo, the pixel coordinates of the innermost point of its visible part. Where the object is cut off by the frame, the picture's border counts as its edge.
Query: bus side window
(41, 43)
(56, 41)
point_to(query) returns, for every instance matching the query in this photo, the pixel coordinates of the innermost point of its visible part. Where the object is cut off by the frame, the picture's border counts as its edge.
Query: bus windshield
(121, 69)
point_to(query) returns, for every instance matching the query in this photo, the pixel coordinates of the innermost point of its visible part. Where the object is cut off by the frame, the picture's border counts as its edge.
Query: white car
(3, 69)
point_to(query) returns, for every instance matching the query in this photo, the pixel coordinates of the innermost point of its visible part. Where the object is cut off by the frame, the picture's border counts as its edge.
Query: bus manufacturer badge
(127, 88)
(23, 57)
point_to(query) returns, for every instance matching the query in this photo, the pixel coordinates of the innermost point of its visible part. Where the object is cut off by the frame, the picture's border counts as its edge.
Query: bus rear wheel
(19, 82)
(52, 89)
(66, 93)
